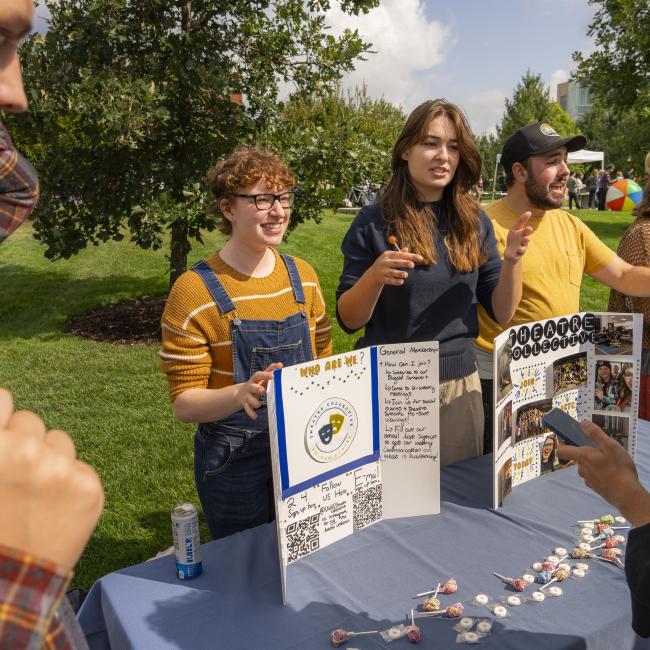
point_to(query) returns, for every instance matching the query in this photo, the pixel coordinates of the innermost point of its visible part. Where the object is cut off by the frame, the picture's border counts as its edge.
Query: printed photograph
(570, 372)
(616, 427)
(548, 461)
(614, 334)
(505, 423)
(528, 423)
(613, 386)
(504, 380)
(505, 480)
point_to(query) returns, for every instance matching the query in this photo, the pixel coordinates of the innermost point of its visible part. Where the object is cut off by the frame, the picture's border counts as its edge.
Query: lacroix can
(187, 543)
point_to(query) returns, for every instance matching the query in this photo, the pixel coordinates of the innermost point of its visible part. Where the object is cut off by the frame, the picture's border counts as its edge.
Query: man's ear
(519, 172)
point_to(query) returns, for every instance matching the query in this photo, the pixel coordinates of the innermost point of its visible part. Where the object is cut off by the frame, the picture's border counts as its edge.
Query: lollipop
(518, 584)
(339, 636)
(548, 566)
(392, 240)
(430, 605)
(545, 577)
(610, 555)
(450, 587)
(453, 611)
(558, 576)
(413, 631)
(580, 553)
(610, 542)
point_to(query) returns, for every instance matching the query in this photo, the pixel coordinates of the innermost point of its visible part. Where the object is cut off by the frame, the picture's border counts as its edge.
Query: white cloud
(407, 46)
(484, 110)
(558, 77)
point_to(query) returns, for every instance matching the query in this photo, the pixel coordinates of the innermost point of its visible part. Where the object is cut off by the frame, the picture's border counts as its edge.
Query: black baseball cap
(534, 139)
(601, 363)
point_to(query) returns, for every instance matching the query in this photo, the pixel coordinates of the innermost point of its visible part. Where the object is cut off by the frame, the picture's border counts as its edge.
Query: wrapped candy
(413, 631)
(518, 584)
(544, 577)
(450, 587)
(430, 605)
(338, 637)
(454, 611)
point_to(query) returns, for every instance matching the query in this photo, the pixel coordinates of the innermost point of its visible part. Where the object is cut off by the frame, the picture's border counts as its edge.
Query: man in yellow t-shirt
(561, 247)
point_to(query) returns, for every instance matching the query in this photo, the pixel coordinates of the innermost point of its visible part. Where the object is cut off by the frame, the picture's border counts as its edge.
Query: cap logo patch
(547, 129)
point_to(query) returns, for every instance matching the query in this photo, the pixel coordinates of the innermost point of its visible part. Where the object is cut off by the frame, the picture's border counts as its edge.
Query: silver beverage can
(187, 542)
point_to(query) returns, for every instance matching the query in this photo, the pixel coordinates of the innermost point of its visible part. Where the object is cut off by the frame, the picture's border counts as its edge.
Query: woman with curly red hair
(228, 323)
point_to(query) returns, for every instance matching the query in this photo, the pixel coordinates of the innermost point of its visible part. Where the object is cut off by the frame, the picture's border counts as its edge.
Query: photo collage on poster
(587, 364)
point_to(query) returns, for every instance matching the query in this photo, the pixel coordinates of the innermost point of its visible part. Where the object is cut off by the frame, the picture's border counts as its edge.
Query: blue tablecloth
(368, 581)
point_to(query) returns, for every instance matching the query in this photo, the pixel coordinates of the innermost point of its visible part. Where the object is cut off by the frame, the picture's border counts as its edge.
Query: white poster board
(354, 439)
(587, 364)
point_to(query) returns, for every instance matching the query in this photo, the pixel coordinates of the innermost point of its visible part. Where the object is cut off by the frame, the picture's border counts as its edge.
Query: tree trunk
(179, 248)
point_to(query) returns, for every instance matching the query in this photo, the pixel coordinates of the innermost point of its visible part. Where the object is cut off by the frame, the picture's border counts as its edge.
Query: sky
(471, 52)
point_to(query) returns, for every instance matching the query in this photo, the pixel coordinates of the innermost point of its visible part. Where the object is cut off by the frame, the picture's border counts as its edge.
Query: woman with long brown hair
(417, 262)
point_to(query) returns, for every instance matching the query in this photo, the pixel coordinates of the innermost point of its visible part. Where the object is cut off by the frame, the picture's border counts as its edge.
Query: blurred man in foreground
(49, 501)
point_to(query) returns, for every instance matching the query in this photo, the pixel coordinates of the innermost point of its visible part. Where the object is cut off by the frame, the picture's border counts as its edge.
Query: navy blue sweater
(436, 303)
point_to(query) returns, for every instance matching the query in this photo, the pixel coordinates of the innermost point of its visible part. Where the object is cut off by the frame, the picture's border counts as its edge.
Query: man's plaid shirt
(30, 594)
(18, 186)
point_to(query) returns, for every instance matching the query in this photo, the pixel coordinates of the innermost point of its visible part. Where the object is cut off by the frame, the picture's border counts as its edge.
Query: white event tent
(582, 156)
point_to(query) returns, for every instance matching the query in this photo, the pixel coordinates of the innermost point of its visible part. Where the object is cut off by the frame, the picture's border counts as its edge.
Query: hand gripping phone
(567, 428)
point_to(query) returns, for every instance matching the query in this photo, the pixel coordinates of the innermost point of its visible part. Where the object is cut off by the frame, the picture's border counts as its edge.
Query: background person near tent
(604, 181)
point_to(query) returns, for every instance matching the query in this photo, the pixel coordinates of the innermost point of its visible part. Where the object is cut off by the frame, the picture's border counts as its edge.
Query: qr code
(366, 507)
(302, 537)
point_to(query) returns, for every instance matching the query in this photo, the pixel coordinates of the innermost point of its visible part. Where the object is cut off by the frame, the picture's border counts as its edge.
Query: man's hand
(518, 238)
(49, 501)
(610, 471)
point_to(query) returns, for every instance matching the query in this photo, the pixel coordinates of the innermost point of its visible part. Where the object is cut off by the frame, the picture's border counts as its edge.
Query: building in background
(574, 98)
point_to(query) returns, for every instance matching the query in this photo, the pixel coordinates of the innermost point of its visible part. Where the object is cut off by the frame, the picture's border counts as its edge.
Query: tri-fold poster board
(354, 439)
(587, 364)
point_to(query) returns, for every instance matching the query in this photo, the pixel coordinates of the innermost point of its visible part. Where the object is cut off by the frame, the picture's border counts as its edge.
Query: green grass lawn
(113, 399)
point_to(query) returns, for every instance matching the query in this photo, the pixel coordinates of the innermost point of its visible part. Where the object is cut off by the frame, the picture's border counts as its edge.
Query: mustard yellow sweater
(196, 349)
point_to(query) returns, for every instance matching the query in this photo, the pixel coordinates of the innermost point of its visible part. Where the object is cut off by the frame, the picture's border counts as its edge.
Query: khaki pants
(461, 419)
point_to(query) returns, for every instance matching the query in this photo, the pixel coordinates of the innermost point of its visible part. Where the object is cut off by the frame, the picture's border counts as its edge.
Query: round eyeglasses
(266, 201)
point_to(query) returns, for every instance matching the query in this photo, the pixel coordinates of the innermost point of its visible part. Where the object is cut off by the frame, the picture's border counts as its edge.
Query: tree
(131, 102)
(530, 103)
(489, 146)
(617, 73)
(334, 142)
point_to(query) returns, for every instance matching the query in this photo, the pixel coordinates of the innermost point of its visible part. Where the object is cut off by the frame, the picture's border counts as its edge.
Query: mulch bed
(132, 322)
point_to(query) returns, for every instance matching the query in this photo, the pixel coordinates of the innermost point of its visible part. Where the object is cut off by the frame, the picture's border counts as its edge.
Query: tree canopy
(131, 102)
(618, 75)
(531, 102)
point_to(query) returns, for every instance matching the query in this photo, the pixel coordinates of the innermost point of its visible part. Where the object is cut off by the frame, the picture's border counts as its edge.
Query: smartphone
(567, 428)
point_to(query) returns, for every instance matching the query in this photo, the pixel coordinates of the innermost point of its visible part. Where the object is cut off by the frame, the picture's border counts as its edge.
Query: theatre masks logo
(331, 430)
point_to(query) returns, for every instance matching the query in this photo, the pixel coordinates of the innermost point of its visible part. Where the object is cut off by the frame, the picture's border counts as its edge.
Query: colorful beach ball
(623, 195)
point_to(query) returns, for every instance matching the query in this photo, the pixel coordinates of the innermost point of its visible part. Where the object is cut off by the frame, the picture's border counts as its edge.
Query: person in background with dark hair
(592, 186)
(572, 188)
(604, 181)
(445, 263)
(609, 470)
(635, 249)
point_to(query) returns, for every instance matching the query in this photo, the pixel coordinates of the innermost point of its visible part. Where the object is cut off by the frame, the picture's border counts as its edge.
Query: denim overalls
(232, 463)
